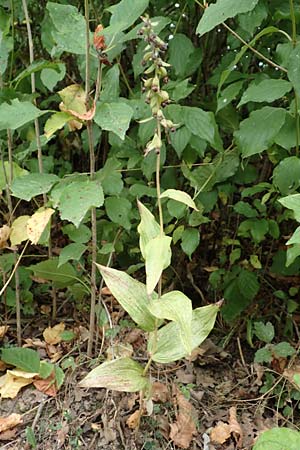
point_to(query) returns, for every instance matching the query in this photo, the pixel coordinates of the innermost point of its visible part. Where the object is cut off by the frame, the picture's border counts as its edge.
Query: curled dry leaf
(235, 427)
(99, 40)
(52, 335)
(6, 423)
(183, 430)
(13, 381)
(223, 431)
(220, 433)
(4, 235)
(47, 386)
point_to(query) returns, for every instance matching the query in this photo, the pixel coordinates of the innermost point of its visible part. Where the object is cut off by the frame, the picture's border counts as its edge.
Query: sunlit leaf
(148, 228)
(158, 258)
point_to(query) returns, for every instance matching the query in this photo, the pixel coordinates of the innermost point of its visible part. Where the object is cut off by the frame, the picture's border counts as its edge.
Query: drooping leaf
(158, 258)
(23, 358)
(265, 91)
(190, 240)
(179, 196)
(216, 13)
(148, 228)
(33, 184)
(258, 132)
(78, 198)
(180, 49)
(16, 114)
(123, 374)
(126, 12)
(114, 117)
(56, 122)
(169, 347)
(62, 277)
(131, 294)
(177, 307)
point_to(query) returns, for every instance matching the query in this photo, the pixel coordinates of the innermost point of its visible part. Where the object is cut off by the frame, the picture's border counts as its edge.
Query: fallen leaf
(184, 377)
(235, 428)
(37, 343)
(52, 335)
(105, 291)
(6, 423)
(183, 430)
(47, 386)
(292, 374)
(4, 236)
(223, 431)
(13, 381)
(133, 420)
(159, 392)
(3, 330)
(220, 433)
(8, 435)
(62, 434)
(3, 366)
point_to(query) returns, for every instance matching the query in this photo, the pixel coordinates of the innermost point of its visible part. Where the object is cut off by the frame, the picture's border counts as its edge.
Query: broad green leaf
(131, 294)
(62, 277)
(32, 185)
(181, 89)
(251, 20)
(57, 121)
(258, 132)
(23, 358)
(81, 235)
(118, 210)
(6, 46)
(278, 439)
(179, 196)
(287, 135)
(126, 12)
(114, 117)
(148, 228)
(169, 346)
(245, 209)
(18, 232)
(110, 177)
(263, 355)
(217, 13)
(180, 49)
(111, 85)
(286, 175)
(51, 77)
(202, 124)
(293, 68)
(292, 202)
(72, 251)
(283, 350)
(36, 66)
(295, 239)
(78, 198)
(123, 374)
(228, 94)
(5, 173)
(248, 284)
(190, 240)
(46, 369)
(265, 91)
(158, 258)
(69, 35)
(180, 139)
(177, 307)
(264, 332)
(16, 114)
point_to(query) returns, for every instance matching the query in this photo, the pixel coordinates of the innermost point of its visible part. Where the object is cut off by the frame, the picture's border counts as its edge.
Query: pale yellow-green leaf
(123, 374)
(158, 258)
(131, 294)
(177, 307)
(148, 227)
(179, 196)
(37, 224)
(18, 230)
(169, 346)
(56, 122)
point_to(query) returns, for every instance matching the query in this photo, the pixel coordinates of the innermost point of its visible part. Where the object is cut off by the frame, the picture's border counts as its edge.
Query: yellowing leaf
(18, 230)
(179, 196)
(37, 224)
(148, 227)
(74, 102)
(158, 258)
(53, 335)
(4, 235)
(13, 381)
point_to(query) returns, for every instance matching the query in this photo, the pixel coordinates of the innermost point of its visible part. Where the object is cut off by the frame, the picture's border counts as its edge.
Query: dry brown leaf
(3, 330)
(34, 343)
(235, 427)
(133, 420)
(6, 423)
(183, 430)
(290, 373)
(47, 386)
(4, 236)
(62, 434)
(220, 433)
(105, 291)
(52, 335)
(13, 381)
(8, 435)
(160, 392)
(223, 431)
(3, 366)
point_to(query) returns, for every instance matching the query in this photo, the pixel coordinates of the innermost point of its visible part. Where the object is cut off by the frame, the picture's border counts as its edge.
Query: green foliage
(278, 439)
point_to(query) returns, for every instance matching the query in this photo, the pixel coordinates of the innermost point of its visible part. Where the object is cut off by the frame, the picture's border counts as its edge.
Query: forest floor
(210, 402)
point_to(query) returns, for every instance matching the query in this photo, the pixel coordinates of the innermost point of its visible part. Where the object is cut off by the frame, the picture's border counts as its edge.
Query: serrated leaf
(258, 132)
(177, 307)
(217, 13)
(169, 346)
(16, 114)
(72, 251)
(78, 198)
(123, 374)
(131, 294)
(33, 184)
(283, 350)
(264, 332)
(263, 355)
(158, 258)
(265, 91)
(37, 223)
(179, 196)
(23, 358)
(148, 228)
(114, 117)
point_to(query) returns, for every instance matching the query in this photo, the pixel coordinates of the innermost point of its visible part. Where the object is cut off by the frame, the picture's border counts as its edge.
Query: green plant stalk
(294, 41)
(92, 175)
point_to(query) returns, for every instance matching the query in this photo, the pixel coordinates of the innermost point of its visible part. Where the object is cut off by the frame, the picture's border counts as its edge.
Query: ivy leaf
(218, 12)
(114, 117)
(16, 114)
(258, 132)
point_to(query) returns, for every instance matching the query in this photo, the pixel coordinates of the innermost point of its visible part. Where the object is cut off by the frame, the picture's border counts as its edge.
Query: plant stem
(92, 175)
(293, 19)
(161, 222)
(294, 40)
